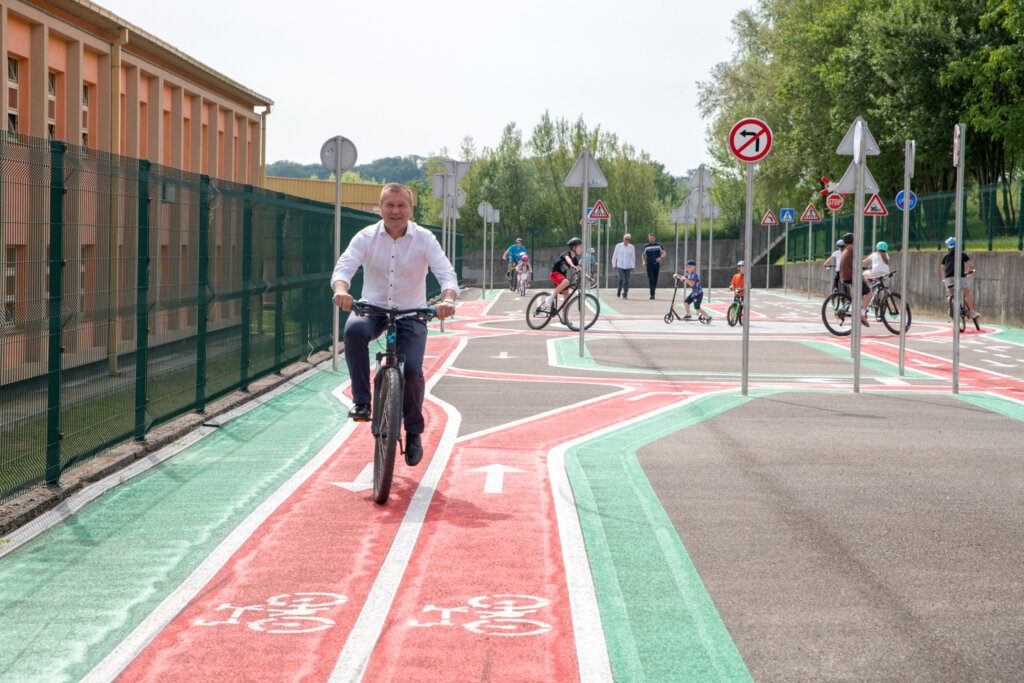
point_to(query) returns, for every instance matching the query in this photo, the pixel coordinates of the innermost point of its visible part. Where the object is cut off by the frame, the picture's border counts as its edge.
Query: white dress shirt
(624, 256)
(395, 271)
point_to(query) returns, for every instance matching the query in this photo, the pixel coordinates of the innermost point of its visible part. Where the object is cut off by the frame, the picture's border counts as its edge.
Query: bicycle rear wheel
(389, 425)
(836, 314)
(537, 314)
(733, 316)
(591, 310)
(891, 314)
(963, 318)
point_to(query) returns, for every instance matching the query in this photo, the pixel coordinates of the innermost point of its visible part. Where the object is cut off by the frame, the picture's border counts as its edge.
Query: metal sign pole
(483, 257)
(747, 289)
(785, 262)
(809, 238)
(958, 159)
(586, 235)
(711, 247)
(336, 318)
(608, 253)
(675, 256)
(858, 255)
(908, 172)
(768, 262)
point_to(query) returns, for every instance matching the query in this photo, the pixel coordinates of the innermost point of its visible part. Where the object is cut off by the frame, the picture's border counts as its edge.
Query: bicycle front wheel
(537, 314)
(836, 314)
(390, 425)
(591, 310)
(891, 314)
(963, 318)
(733, 316)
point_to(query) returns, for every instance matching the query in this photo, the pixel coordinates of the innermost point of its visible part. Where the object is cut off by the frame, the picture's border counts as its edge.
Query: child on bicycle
(736, 284)
(524, 271)
(692, 280)
(946, 270)
(833, 262)
(567, 262)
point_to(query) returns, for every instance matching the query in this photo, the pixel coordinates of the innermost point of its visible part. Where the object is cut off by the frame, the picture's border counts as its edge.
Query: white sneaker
(974, 315)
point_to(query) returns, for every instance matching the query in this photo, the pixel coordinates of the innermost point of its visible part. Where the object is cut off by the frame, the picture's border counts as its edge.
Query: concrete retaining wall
(997, 287)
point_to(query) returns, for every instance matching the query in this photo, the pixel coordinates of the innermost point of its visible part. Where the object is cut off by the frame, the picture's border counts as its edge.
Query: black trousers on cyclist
(652, 275)
(412, 343)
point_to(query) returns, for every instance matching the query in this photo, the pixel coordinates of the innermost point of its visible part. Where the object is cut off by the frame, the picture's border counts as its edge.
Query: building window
(85, 115)
(51, 105)
(85, 95)
(12, 95)
(10, 284)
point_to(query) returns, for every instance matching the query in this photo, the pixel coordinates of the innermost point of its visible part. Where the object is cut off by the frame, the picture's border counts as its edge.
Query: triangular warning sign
(810, 214)
(875, 207)
(599, 211)
(769, 219)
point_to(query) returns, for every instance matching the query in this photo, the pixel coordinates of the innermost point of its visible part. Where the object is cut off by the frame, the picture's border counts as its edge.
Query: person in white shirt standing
(624, 261)
(395, 254)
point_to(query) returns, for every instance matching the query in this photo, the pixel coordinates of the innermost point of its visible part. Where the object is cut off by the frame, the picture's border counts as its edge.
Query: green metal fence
(993, 220)
(133, 293)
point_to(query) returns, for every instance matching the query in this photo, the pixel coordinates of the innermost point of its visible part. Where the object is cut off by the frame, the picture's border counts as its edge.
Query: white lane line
(129, 648)
(367, 629)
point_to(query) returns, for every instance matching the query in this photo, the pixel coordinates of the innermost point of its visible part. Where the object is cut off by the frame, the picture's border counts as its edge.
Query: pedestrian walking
(624, 262)
(651, 258)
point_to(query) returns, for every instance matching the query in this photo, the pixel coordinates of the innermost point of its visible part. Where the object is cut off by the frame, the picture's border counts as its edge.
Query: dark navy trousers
(412, 342)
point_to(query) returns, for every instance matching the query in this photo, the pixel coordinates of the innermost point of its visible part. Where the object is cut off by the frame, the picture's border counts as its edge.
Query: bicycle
(836, 312)
(965, 315)
(836, 284)
(523, 283)
(512, 276)
(886, 304)
(538, 314)
(388, 391)
(735, 313)
(673, 314)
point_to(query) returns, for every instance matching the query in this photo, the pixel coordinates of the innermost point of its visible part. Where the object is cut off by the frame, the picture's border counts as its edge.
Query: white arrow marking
(503, 355)
(363, 482)
(495, 476)
(997, 363)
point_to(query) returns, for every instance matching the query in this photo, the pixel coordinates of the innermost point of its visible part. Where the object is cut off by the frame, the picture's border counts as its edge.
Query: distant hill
(387, 170)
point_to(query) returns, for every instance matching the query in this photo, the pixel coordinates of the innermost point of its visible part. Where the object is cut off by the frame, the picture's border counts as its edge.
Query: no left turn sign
(750, 140)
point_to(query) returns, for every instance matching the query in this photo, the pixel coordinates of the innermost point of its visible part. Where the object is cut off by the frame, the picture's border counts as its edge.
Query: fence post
(142, 304)
(247, 211)
(991, 207)
(1020, 218)
(279, 294)
(201, 298)
(56, 297)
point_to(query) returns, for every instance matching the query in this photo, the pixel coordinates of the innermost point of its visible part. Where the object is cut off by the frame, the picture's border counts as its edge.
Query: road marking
(362, 483)
(892, 381)
(655, 393)
(495, 478)
(503, 355)
(366, 631)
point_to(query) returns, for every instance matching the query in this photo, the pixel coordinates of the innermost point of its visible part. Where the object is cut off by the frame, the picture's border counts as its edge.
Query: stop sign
(834, 201)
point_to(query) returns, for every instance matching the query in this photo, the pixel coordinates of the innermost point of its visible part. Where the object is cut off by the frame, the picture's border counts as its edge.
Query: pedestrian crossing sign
(599, 211)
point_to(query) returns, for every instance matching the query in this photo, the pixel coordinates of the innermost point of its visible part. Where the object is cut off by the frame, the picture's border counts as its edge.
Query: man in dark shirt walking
(651, 257)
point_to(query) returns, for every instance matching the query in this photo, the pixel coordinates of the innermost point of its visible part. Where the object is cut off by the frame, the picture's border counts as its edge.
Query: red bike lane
(282, 606)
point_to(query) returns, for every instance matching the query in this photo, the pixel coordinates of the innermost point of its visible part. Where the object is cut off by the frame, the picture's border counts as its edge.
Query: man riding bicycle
(395, 254)
(946, 270)
(513, 254)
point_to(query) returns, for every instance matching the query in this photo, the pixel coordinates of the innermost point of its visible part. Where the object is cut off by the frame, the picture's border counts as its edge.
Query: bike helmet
(519, 239)
(524, 258)
(574, 242)
(951, 242)
(848, 238)
(840, 243)
(691, 262)
(741, 263)
(882, 246)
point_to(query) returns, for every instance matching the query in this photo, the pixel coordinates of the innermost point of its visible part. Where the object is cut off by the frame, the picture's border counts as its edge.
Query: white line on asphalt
(129, 648)
(367, 629)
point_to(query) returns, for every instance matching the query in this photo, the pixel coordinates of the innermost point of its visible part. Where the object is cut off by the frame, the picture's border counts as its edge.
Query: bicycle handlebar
(364, 308)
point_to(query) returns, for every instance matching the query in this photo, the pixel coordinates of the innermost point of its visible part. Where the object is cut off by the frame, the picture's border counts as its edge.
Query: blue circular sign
(899, 200)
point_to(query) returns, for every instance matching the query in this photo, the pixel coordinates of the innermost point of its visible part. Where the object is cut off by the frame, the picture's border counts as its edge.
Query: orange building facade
(66, 58)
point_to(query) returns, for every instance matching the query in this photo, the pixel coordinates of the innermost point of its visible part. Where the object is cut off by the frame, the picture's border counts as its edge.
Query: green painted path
(112, 563)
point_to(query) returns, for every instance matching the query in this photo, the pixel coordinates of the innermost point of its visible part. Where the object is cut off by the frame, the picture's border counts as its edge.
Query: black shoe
(652, 296)
(360, 412)
(413, 449)
(625, 296)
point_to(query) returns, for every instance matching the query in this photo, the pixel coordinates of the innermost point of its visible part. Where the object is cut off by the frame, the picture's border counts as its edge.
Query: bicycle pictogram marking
(495, 615)
(289, 613)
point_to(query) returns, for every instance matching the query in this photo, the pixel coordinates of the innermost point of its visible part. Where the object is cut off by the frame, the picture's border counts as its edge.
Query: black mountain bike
(388, 392)
(538, 314)
(965, 315)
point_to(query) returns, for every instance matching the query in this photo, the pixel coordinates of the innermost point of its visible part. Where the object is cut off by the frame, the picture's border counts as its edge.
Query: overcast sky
(412, 77)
